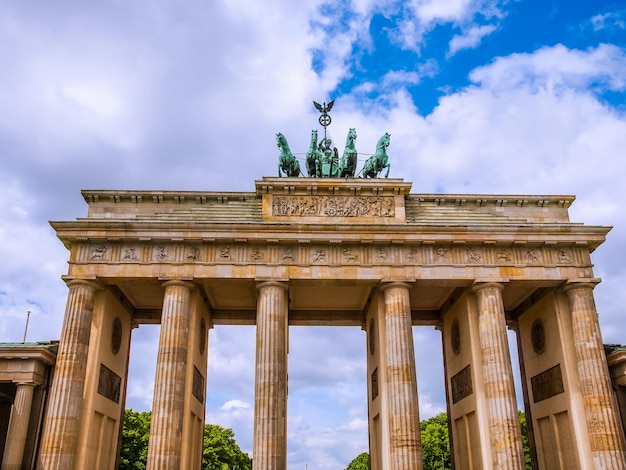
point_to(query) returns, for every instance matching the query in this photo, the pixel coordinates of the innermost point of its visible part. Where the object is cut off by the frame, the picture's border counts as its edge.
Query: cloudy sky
(480, 96)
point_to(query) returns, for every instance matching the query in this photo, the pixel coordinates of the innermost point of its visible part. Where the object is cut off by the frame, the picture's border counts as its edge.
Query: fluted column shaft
(166, 429)
(503, 422)
(270, 381)
(18, 426)
(405, 447)
(603, 420)
(65, 405)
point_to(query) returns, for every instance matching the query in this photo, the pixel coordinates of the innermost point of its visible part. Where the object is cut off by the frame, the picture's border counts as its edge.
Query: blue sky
(485, 96)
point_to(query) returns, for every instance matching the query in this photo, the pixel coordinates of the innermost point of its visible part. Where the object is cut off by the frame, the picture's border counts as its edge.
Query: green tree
(525, 444)
(360, 462)
(221, 452)
(435, 442)
(135, 435)
(436, 445)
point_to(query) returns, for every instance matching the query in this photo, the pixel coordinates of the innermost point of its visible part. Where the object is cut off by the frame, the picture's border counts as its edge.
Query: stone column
(405, 446)
(270, 381)
(166, 428)
(603, 420)
(18, 426)
(65, 405)
(503, 422)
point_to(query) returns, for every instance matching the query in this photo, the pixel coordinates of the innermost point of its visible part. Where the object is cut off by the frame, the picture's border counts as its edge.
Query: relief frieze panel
(109, 384)
(333, 253)
(547, 384)
(462, 384)
(130, 253)
(504, 256)
(350, 256)
(99, 253)
(224, 253)
(257, 255)
(333, 206)
(413, 256)
(192, 254)
(162, 253)
(474, 255)
(382, 254)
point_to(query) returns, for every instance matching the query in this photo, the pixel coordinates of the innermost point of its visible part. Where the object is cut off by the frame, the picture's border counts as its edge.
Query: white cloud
(614, 20)
(556, 68)
(32, 263)
(469, 39)
(422, 16)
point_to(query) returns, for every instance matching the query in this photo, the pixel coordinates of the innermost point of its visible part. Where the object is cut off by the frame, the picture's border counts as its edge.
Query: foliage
(220, 451)
(360, 462)
(525, 444)
(135, 435)
(435, 442)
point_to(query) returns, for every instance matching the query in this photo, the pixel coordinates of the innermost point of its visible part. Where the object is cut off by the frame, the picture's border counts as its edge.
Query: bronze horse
(287, 163)
(377, 162)
(348, 160)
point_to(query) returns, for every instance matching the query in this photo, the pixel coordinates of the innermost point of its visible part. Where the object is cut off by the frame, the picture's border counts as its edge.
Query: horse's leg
(388, 168)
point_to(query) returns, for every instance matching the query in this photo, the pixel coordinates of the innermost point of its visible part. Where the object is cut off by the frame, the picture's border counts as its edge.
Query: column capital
(24, 383)
(73, 281)
(178, 282)
(586, 284)
(399, 284)
(480, 285)
(283, 284)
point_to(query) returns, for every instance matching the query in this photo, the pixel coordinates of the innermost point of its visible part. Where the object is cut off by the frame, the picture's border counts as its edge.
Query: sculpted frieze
(333, 206)
(333, 252)
(130, 254)
(99, 253)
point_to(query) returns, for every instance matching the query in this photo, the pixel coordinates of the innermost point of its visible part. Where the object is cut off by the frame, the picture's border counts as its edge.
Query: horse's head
(351, 135)
(280, 140)
(384, 141)
(314, 137)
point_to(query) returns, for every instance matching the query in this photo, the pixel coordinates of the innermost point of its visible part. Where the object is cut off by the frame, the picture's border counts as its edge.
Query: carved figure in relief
(349, 158)
(313, 157)
(442, 254)
(412, 255)
(225, 253)
(333, 206)
(347, 252)
(162, 253)
(129, 254)
(319, 255)
(382, 253)
(257, 255)
(287, 162)
(532, 256)
(473, 255)
(98, 252)
(193, 253)
(379, 161)
(288, 254)
(503, 255)
(564, 256)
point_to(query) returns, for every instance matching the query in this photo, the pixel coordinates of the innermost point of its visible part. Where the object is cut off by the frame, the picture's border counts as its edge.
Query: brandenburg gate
(364, 252)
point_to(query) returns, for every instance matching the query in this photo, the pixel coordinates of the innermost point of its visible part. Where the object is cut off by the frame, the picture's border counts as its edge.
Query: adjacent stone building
(25, 374)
